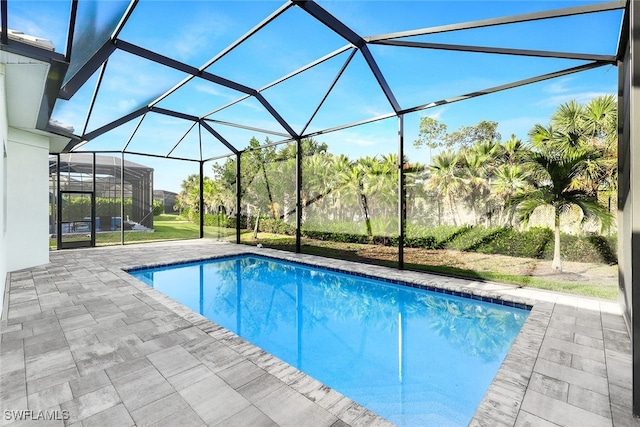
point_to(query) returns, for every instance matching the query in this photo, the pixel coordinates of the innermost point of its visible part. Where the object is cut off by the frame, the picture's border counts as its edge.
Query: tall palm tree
(445, 179)
(354, 184)
(554, 185)
(509, 180)
(189, 197)
(511, 151)
(381, 185)
(479, 163)
(601, 125)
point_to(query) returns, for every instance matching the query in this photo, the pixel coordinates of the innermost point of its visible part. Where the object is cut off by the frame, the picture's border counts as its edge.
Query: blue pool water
(413, 356)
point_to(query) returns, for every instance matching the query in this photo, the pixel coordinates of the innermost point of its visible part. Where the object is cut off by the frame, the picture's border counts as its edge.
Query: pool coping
(516, 368)
(570, 363)
(298, 380)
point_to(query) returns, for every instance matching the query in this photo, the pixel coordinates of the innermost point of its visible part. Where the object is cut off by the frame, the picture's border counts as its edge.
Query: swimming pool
(413, 356)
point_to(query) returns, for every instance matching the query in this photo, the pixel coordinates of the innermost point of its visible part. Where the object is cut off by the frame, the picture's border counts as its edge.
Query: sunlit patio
(123, 98)
(85, 341)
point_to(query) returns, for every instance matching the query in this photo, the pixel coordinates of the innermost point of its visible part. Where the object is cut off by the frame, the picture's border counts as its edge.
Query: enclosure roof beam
(237, 125)
(288, 76)
(133, 133)
(160, 156)
(87, 70)
(512, 85)
(177, 65)
(219, 137)
(180, 66)
(326, 95)
(308, 66)
(226, 50)
(89, 67)
(172, 113)
(248, 34)
(535, 16)
(350, 125)
(114, 124)
(155, 57)
(500, 51)
(125, 17)
(347, 33)
(72, 28)
(182, 139)
(94, 96)
(275, 115)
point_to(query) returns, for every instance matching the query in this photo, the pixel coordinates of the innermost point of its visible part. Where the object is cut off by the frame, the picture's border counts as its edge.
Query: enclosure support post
(93, 201)
(201, 226)
(298, 192)
(59, 205)
(122, 198)
(628, 187)
(238, 198)
(402, 206)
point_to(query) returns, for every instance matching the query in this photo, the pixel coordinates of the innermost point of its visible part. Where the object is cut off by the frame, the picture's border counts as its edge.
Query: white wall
(24, 195)
(27, 232)
(3, 186)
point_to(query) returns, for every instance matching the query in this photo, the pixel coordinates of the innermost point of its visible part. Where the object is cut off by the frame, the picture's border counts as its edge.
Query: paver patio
(89, 345)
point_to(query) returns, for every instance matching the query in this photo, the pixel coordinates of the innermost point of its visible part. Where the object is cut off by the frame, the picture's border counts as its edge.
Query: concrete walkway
(84, 343)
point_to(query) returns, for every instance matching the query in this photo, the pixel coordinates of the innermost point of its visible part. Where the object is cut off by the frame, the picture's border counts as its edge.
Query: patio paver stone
(83, 339)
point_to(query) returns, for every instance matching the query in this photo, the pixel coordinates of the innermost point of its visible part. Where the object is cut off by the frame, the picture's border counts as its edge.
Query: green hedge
(533, 243)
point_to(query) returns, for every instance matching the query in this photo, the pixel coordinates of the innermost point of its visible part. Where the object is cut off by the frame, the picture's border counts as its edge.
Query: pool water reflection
(413, 356)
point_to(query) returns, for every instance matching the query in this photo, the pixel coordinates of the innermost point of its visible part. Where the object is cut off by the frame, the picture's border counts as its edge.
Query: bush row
(533, 243)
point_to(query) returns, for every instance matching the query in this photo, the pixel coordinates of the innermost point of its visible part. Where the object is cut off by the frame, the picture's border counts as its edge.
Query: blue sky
(195, 31)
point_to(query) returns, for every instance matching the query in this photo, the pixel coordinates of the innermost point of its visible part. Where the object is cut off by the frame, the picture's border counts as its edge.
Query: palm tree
(189, 197)
(445, 179)
(479, 162)
(509, 180)
(554, 184)
(601, 124)
(511, 151)
(353, 180)
(381, 185)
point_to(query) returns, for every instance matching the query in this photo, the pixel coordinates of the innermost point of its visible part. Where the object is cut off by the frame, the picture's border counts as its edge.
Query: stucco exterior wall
(27, 200)
(3, 187)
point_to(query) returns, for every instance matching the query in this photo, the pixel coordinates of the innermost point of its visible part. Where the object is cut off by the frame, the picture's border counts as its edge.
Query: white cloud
(558, 86)
(436, 114)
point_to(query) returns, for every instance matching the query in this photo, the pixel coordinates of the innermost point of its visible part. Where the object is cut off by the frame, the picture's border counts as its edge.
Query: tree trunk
(365, 212)
(274, 213)
(557, 261)
(454, 209)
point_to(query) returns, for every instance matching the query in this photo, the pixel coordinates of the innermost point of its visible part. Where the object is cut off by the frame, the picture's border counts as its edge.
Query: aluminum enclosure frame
(627, 60)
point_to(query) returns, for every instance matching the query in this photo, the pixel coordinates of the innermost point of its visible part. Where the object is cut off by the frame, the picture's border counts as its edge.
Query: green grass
(606, 292)
(349, 252)
(174, 227)
(168, 217)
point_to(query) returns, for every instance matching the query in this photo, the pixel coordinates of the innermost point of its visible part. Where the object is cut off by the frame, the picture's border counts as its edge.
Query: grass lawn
(174, 227)
(386, 256)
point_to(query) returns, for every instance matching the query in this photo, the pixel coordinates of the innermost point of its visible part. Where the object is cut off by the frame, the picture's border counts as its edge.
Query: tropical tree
(555, 186)
(566, 169)
(445, 179)
(477, 169)
(353, 185)
(381, 187)
(432, 134)
(189, 197)
(509, 180)
(466, 136)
